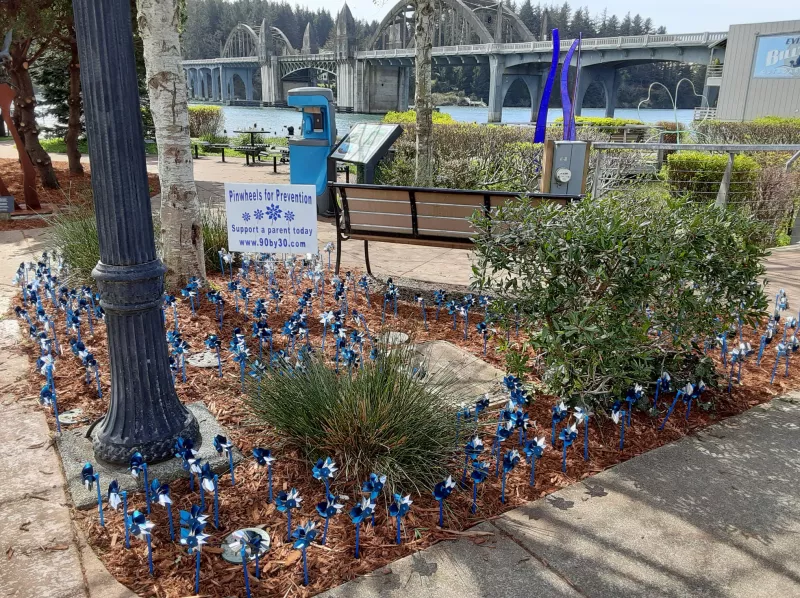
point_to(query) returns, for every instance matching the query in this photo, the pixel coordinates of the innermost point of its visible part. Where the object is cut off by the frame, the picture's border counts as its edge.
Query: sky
(678, 16)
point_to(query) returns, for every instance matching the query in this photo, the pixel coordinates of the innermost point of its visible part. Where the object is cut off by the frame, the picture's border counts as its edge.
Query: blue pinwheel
(240, 542)
(560, 413)
(240, 355)
(481, 405)
(483, 330)
(520, 420)
(480, 471)
(328, 508)
(510, 461)
(193, 538)
(582, 416)
(137, 466)
(567, 437)
(441, 491)
(534, 449)
(89, 478)
(374, 486)
(285, 502)
(209, 482)
(439, 298)
(159, 493)
(358, 514)
(212, 342)
(304, 535)
(222, 444)
(617, 416)
(504, 431)
(184, 450)
(264, 458)
(398, 509)
(633, 396)
(471, 453)
(662, 385)
(325, 471)
(141, 528)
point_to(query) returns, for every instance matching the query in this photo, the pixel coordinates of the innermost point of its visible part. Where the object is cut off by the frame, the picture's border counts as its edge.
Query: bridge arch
(331, 70)
(242, 42)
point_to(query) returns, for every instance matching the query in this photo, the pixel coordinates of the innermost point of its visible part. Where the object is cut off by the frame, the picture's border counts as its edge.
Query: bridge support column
(270, 81)
(247, 76)
(215, 85)
(403, 89)
(497, 91)
(608, 77)
(345, 84)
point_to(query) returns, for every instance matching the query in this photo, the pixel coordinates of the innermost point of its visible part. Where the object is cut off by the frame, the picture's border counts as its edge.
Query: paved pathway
(42, 553)
(715, 515)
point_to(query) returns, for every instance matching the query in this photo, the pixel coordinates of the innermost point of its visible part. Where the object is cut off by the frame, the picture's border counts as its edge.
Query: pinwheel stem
(564, 459)
(622, 435)
(171, 524)
(216, 501)
(289, 524)
(441, 513)
(503, 489)
(55, 407)
(149, 554)
(485, 336)
(219, 363)
(202, 495)
(474, 506)
(366, 294)
(395, 306)
(586, 437)
(244, 569)
(688, 408)
(655, 398)
(399, 539)
(383, 315)
(553, 434)
(124, 495)
(146, 486)
(197, 571)
(669, 411)
(325, 531)
(533, 471)
(774, 369)
(99, 500)
(358, 531)
(464, 475)
(269, 481)
(230, 465)
(258, 564)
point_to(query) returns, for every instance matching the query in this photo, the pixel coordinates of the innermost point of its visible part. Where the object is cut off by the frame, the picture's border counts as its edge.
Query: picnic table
(253, 131)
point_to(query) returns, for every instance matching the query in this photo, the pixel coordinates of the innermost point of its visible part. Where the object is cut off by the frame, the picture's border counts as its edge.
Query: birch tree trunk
(423, 39)
(181, 229)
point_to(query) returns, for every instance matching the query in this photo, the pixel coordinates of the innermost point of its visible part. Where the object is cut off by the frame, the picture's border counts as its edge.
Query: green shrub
(615, 289)
(697, 175)
(410, 117)
(382, 419)
(679, 130)
(205, 120)
(766, 130)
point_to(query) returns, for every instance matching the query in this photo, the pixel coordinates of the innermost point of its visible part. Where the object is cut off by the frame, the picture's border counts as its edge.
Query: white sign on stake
(268, 218)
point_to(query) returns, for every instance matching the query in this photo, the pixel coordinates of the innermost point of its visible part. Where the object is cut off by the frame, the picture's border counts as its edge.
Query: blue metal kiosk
(309, 154)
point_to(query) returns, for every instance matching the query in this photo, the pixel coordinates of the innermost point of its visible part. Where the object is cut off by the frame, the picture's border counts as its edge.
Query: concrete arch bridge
(466, 32)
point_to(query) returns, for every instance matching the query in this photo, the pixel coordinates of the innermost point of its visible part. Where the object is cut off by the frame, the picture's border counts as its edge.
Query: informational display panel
(366, 142)
(271, 218)
(778, 57)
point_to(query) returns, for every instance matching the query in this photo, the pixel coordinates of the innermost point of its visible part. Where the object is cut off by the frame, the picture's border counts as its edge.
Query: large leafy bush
(613, 290)
(409, 117)
(384, 418)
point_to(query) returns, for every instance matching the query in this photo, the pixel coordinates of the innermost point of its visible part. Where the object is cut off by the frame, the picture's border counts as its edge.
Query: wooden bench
(414, 215)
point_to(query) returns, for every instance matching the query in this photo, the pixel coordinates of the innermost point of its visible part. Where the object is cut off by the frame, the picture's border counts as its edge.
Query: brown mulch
(245, 504)
(75, 190)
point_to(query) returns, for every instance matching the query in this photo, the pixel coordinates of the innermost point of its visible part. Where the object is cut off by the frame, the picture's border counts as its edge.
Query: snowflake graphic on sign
(289, 216)
(273, 212)
(258, 214)
(246, 216)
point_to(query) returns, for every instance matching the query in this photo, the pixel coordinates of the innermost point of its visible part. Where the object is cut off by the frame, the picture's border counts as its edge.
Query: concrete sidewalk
(42, 551)
(716, 515)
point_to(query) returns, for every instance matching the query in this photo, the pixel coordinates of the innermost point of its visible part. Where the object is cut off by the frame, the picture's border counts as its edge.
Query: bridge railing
(626, 41)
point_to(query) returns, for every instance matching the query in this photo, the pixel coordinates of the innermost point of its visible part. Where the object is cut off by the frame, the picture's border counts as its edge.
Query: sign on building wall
(264, 218)
(778, 57)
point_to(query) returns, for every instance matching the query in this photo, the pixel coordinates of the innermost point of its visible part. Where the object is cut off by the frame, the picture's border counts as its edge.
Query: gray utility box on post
(566, 165)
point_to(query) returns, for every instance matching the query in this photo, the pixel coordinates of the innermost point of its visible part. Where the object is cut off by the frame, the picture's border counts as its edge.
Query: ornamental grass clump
(389, 416)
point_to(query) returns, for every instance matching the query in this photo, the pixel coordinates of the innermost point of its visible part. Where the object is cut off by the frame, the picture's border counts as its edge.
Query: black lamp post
(145, 414)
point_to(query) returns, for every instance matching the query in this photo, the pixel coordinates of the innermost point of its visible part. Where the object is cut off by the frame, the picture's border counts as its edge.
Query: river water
(275, 120)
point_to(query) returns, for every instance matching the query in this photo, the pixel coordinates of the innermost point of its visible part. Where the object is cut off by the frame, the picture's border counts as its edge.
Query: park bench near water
(414, 215)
